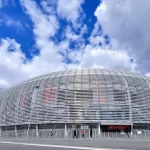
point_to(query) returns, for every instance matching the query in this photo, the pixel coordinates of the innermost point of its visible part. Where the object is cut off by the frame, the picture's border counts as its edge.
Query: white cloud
(105, 58)
(48, 6)
(148, 74)
(45, 27)
(128, 23)
(70, 10)
(12, 65)
(4, 84)
(97, 40)
(17, 68)
(72, 36)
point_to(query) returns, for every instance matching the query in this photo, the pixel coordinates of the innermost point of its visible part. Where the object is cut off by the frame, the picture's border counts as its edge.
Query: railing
(60, 133)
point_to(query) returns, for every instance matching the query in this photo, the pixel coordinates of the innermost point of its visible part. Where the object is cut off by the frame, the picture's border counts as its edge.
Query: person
(83, 133)
(91, 133)
(51, 133)
(75, 134)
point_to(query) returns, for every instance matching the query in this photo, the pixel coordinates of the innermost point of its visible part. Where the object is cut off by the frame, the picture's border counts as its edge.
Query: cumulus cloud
(12, 65)
(70, 10)
(44, 27)
(3, 84)
(16, 68)
(128, 23)
(54, 56)
(70, 35)
(105, 58)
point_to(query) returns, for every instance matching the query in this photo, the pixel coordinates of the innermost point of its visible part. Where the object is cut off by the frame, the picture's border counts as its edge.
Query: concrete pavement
(66, 144)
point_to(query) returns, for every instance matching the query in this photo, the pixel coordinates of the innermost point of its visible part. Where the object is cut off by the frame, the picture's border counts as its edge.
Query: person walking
(83, 133)
(91, 133)
(51, 133)
(75, 134)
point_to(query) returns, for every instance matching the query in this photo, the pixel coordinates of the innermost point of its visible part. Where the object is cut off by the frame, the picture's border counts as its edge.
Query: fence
(60, 133)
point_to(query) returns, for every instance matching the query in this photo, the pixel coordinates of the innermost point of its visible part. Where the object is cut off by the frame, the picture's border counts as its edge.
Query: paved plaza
(66, 144)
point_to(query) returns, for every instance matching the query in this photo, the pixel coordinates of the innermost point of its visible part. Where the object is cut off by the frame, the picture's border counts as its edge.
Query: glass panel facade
(75, 96)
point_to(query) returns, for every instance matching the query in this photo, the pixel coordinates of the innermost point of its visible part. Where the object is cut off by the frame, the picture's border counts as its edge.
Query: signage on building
(118, 127)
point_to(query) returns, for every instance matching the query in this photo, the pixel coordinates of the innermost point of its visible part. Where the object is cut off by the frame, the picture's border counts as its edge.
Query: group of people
(82, 132)
(74, 133)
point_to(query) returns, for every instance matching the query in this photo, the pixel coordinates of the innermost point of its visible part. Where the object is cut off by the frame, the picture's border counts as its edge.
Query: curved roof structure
(83, 95)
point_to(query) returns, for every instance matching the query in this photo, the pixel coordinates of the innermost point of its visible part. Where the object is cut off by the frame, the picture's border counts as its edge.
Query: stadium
(101, 100)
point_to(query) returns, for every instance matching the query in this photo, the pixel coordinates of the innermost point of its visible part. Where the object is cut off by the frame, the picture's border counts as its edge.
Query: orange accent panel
(100, 97)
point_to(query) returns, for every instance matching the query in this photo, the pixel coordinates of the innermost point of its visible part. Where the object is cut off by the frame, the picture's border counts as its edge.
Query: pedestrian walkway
(71, 133)
(66, 144)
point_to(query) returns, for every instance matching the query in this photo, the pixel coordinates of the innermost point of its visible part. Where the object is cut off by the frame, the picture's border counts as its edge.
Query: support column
(0, 131)
(129, 98)
(131, 130)
(99, 129)
(16, 131)
(65, 130)
(37, 130)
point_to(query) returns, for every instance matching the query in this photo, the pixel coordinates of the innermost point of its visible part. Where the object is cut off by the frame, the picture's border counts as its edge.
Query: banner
(49, 94)
(46, 94)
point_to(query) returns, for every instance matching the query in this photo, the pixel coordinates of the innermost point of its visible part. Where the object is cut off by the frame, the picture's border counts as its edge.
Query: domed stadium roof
(80, 95)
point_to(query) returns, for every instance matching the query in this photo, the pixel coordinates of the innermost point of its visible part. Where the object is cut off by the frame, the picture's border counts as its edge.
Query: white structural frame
(82, 96)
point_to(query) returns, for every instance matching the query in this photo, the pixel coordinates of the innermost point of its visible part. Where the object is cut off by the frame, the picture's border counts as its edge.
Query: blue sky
(41, 36)
(21, 26)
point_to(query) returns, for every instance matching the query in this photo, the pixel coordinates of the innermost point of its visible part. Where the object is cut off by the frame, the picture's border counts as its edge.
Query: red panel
(115, 127)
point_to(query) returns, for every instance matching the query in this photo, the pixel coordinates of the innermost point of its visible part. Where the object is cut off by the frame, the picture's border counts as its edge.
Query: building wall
(78, 96)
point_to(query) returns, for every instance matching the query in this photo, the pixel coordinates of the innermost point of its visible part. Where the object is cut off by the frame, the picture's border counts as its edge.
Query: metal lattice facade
(78, 96)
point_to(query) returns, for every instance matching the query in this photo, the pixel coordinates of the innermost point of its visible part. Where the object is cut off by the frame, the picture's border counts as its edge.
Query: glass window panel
(130, 81)
(143, 83)
(105, 72)
(98, 71)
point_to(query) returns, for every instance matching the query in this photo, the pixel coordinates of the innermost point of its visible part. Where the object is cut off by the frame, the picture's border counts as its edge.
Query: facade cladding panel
(78, 96)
